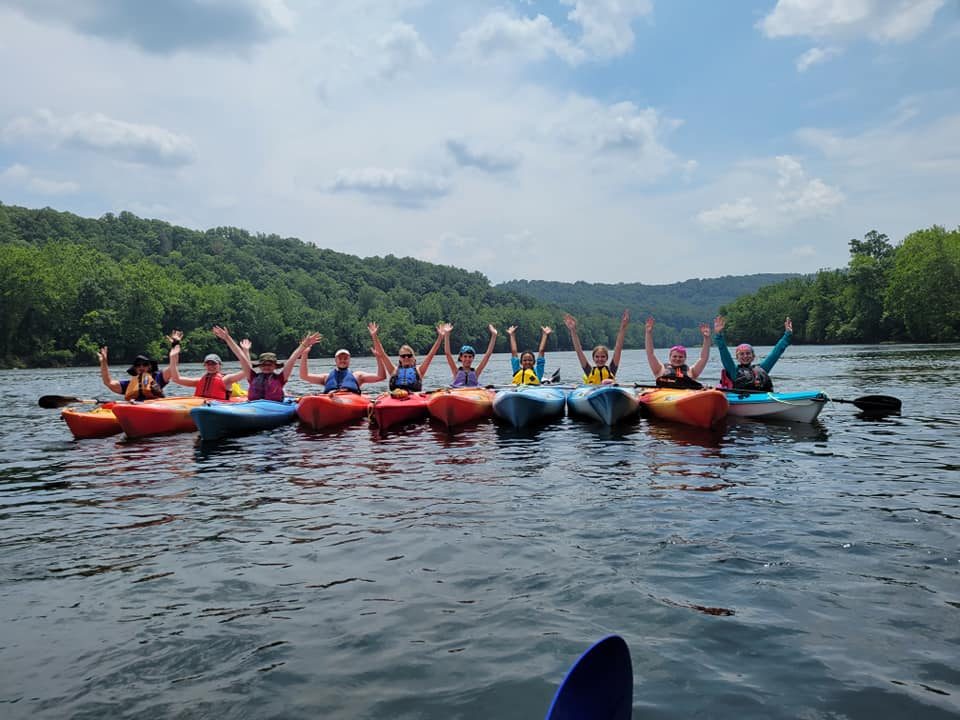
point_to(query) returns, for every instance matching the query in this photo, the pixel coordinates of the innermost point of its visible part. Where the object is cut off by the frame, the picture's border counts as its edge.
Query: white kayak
(793, 406)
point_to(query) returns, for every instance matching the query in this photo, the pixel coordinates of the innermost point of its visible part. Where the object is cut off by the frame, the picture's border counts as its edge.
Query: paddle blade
(598, 686)
(878, 404)
(58, 401)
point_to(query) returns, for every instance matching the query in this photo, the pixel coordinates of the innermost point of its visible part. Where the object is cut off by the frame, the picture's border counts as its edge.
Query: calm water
(763, 572)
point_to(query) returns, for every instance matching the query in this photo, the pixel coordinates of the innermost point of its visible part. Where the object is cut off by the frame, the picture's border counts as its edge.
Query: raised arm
(105, 372)
(545, 331)
(379, 353)
(704, 352)
(489, 352)
(719, 323)
(571, 322)
(174, 337)
(308, 342)
(174, 368)
(621, 335)
(425, 365)
(770, 360)
(512, 333)
(241, 355)
(656, 367)
(447, 327)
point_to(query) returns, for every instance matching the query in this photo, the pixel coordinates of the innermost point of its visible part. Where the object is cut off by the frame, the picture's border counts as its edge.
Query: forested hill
(70, 284)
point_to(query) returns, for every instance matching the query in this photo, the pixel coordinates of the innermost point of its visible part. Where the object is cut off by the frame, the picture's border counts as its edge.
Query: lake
(763, 571)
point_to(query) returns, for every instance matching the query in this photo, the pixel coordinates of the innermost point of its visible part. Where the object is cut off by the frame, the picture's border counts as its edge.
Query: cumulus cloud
(796, 198)
(606, 25)
(504, 37)
(403, 188)
(401, 48)
(489, 161)
(879, 20)
(815, 56)
(169, 26)
(21, 175)
(97, 133)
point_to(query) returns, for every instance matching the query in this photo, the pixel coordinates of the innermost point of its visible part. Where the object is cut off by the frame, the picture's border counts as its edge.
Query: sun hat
(214, 358)
(267, 357)
(341, 351)
(467, 350)
(132, 370)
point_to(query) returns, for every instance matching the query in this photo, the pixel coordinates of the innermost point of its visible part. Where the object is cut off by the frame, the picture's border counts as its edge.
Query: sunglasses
(406, 355)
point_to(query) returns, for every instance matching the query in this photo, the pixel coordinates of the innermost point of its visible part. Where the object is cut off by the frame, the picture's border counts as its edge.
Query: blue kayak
(794, 406)
(219, 420)
(525, 405)
(608, 404)
(599, 685)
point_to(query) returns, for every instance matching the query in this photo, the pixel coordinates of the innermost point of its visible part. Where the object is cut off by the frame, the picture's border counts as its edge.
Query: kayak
(332, 409)
(389, 410)
(701, 408)
(599, 685)
(157, 418)
(796, 406)
(225, 419)
(97, 423)
(524, 405)
(458, 406)
(608, 404)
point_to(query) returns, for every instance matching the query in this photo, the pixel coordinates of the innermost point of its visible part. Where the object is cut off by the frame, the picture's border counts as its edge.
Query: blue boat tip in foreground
(598, 686)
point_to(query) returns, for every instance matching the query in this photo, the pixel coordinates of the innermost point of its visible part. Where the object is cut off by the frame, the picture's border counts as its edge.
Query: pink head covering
(679, 348)
(744, 346)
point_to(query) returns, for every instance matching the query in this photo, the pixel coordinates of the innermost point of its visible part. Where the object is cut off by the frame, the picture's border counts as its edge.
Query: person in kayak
(146, 382)
(268, 375)
(527, 369)
(407, 375)
(600, 373)
(464, 374)
(213, 384)
(676, 373)
(744, 374)
(342, 377)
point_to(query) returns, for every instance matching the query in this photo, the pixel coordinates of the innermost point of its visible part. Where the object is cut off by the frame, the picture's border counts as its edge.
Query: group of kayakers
(267, 376)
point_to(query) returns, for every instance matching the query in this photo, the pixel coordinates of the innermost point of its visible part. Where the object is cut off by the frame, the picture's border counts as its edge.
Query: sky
(598, 140)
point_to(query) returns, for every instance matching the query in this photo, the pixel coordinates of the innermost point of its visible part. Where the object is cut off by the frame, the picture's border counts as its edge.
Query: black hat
(154, 367)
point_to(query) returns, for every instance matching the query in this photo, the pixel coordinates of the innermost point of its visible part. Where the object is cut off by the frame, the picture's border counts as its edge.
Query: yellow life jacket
(597, 375)
(142, 387)
(526, 376)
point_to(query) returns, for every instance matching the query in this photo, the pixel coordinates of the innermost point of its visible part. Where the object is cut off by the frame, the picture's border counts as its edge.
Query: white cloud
(401, 48)
(402, 188)
(489, 161)
(18, 174)
(97, 133)
(879, 20)
(796, 198)
(815, 56)
(503, 37)
(169, 26)
(606, 24)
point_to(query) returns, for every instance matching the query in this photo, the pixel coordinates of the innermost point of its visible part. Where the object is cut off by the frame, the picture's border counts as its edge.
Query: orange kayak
(458, 406)
(389, 411)
(701, 408)
(157, 417)
(97, 423)
(331, 409)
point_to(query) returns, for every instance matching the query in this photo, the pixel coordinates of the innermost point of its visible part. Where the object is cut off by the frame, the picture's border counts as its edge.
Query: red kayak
(171, 415)
(96, 423)
(701, 408)
(396, 409)
(458, 406)
(332, 409)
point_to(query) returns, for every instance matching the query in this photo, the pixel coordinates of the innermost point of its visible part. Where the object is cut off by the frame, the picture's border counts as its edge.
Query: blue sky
(598, 140)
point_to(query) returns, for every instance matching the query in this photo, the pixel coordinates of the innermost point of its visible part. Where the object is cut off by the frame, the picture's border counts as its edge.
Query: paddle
(869, 404)
(598, 686)
(57, 401)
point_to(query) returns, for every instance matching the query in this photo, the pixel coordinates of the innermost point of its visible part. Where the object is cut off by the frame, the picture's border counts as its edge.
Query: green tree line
(903, 293)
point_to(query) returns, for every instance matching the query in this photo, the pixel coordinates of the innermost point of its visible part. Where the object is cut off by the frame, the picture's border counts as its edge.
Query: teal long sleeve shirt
(730, 365)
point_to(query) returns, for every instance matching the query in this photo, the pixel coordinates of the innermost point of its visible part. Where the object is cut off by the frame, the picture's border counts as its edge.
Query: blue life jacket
(341, 380)
(406, 378)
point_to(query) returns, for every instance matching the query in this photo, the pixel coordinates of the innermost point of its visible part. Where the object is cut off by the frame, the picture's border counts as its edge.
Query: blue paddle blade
(599, 685)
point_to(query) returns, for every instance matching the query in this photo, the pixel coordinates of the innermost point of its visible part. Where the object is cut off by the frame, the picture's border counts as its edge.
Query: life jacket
(143, 387)
(525, 376)
(213, 387)
(465, 378)
(678, 377)
(406, 378)
(341, 380)
(266, 386)
(597, 375)
(749, 377)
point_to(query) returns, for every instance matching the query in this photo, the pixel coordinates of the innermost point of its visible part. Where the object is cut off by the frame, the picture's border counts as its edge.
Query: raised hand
(511, 330)
(246, 345)
(705, 330)
(719, 323)
(492, 329)
(788, 324)
(444, 328)
(311, 339)
(373, 328)
(102, 355)
(175, 337)
(175, 351)
(221, 332)
(650, 323)
(625, 318)
(570, 321)
(545, 329)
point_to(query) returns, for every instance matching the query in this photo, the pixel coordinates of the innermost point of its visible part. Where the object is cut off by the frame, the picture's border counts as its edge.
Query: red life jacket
(213, 387)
